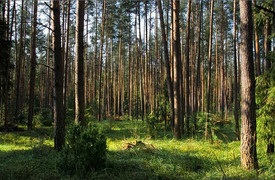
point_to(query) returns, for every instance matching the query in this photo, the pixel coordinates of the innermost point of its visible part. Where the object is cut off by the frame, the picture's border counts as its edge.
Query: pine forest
(137, 89)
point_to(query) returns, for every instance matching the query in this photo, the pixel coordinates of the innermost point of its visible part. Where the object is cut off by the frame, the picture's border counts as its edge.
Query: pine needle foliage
(265, 95)
(85, 151)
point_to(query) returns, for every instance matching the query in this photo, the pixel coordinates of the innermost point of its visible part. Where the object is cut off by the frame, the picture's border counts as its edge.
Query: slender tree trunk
(59, 119)
(257, 49)
(79, 64)
(167, 64)
(130, 73)
(33, 66)
(48, 77)
(19, 70)
(248, 133)
(177, 69)
(236, 85)
(102, 31)
(208, 105)
(66, 56)
(198, 89)
(96, 66)
(187, 69)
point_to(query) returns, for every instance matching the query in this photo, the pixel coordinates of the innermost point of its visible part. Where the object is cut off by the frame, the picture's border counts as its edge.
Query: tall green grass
(30, 155)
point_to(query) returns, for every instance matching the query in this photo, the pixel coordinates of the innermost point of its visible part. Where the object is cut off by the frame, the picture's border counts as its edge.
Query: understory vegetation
(132, 153)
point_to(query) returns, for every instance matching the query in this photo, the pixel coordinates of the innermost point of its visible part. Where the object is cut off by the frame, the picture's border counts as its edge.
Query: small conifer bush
(84, 152)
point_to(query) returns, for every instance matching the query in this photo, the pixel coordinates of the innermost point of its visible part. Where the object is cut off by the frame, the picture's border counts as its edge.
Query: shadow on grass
(156, 164)
(36, 163)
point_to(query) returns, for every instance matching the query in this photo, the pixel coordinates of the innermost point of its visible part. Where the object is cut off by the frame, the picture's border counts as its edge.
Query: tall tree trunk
(236, 85)
(102, 31)
(66, 56)
(96, 67)
(187, 69)
(177, 69)
(130, 73)
(257, 53)
(167, 64)
(48, 76)
(59, 119)
(79, 64)
(198, 89)
(248, 133)
(208, 105)
(33, 66)
(19, 66)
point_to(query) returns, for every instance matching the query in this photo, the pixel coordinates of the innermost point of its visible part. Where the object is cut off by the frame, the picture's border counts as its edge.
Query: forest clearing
(30, 155)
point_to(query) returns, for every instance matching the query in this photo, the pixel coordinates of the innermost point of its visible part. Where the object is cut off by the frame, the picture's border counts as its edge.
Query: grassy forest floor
(132, 154)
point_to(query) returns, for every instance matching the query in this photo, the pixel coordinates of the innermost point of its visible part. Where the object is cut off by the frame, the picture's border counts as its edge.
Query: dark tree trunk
(33, 66)
(59, 119)
(167, 63)
(236, 101)
(187, 70)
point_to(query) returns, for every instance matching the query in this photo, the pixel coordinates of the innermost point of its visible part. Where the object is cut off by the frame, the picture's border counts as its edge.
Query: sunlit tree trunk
(208, 105)
(248, 131)
(79, 63)
(177, 69)
(257, 48)
(167, 63)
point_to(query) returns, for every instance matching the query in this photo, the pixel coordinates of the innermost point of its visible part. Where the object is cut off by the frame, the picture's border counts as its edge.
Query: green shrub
(265, 95)
(44, 117)
(151, 124)
(84, 152)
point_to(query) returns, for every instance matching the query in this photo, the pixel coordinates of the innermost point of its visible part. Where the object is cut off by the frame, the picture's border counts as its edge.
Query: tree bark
(102, 31)
(208, 105)
(19, 67)
(236, 84)
(177, 69)
(167, 63)
(66, 56)
(79, 64)
(187, 70)
(33, 66)
(248, 132)
(59, 119)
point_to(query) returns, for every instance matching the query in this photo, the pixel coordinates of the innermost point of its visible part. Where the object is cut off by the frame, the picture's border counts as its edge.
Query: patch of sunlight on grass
(10, 147)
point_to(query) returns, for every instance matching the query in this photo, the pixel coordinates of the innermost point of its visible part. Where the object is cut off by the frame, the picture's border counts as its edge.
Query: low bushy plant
(84, 152)
(44, 117)
(265, 94)
(151, 123)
